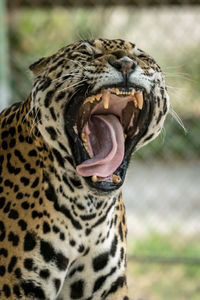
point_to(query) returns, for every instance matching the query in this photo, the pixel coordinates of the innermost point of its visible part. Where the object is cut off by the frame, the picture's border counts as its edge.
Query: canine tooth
(125, 135)
(75, 129)
(83, 136)
(135, 102)
(94, 178)
(132, 92)
(106, 98)
(116, 178)
(137, 130)
(139, 98)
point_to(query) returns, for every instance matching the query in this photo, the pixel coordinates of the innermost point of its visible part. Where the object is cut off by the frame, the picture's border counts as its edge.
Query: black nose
(124, 65)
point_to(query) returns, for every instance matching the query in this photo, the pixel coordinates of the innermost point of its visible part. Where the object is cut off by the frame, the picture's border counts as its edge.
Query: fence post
(4, 69)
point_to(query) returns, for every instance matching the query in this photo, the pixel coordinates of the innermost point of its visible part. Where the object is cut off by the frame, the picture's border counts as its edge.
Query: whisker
(174, 87)
(34, 125)
(76, 62)
(177, 119)
(35, 116)
(175, 67)
(76, 84)
(67, 76)
(183, 76)
(163, 135)
(28, 113)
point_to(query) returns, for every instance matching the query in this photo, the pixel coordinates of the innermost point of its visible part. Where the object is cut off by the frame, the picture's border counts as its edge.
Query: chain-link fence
(162, 192)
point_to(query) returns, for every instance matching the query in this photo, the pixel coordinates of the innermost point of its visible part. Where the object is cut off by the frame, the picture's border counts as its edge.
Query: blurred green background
(162, 192)
(170, 34)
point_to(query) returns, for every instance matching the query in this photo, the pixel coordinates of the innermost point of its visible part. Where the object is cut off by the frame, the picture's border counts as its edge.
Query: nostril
(134, 65)
(117, 65)
(124, 64)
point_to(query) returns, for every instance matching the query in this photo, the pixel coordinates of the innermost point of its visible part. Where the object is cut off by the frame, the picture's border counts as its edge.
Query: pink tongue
(107, 143)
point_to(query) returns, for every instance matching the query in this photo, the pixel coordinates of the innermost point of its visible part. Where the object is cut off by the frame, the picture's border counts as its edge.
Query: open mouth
(104, 131)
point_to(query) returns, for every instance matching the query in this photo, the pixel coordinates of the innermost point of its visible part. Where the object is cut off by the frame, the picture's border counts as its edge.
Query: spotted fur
(59, 237)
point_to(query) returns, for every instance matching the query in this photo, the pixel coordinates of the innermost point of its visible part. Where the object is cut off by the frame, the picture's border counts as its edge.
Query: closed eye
(97, 55)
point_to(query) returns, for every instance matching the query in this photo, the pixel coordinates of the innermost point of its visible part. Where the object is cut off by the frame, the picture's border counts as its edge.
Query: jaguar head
(101, 100)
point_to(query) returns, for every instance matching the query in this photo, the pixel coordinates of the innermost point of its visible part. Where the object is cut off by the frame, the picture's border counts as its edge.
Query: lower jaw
(105, 185)
(108, 184)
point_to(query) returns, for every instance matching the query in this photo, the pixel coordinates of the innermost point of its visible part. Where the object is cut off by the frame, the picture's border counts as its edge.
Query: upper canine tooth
(133, 92)
(83, 136)
(135, 101)
(140, 100)
(106, 98)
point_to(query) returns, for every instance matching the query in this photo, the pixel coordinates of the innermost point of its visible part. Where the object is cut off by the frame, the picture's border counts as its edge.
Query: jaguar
(64, 153)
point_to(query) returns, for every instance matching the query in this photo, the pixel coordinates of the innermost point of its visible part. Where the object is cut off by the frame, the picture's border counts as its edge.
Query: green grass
(168, 280)
(165, 246)
(161, 282)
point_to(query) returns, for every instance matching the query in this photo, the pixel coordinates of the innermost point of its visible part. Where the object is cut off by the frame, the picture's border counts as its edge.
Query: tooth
(106, 98)
(125, 135)
(135, 102)
(92, 99)
(137, 130)
(132, 92)
(98, 97)
(94, 178)
(75, 129)
(83, 136)
(117, 91)
(87, 148)
(140, 101)
(116, 178)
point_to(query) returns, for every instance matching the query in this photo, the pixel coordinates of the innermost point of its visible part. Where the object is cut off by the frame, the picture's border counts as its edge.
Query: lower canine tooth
(140, 101)
(106, 98)
(116, 178)
(94, 178)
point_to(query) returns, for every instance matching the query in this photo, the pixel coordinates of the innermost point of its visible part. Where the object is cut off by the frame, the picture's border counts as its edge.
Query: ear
(39, 66)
